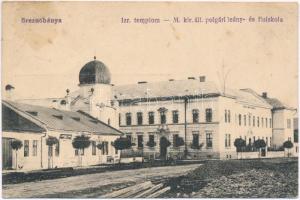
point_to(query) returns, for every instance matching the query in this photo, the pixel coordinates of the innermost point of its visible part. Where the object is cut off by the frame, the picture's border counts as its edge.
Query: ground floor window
(227, 140)
(26, 148)
(34, 148)
(209, 140)
(195, 142)
(140, 141)
(57, 149)
(93, 148)
(104, 148)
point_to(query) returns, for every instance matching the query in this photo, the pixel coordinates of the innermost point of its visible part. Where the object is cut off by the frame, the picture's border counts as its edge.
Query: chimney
(9, 89)
(265, 95)
(142, 82)
(191, 78)
(202, 78)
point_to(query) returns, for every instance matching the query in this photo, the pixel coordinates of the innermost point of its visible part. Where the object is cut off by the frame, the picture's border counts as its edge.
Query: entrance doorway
(163, 144)
(6, 153)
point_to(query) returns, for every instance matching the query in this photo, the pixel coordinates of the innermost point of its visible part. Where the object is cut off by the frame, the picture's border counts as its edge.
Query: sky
(43, 60)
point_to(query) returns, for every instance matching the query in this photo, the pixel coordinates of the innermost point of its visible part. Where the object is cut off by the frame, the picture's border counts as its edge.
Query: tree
(239, 143)
(121, 144)
(288, 145)
(259, 144)
(50, 141)
(80, 143)
(16, 145)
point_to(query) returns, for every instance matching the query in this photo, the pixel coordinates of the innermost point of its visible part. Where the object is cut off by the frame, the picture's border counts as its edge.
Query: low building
(33, 125)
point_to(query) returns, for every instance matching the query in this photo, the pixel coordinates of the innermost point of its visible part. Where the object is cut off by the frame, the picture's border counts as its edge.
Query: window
(34, 148)
(267, 141)
(253, 139)
(249, 120)
(104, 148)
(175, 116)
(119, 119)
(225, 116)
(151, 138)
(208, 114)
(129, 137)
(108, 121)
(93, 148)
(195, 142)
(262, 122)
(227, 140)
(175, 138)
(270, 123)
(163, 119)
(76, 152)
(228, 116)
(195, 115)
(249, 141)
(245, 120)
(240, 119)
(128, 119)
(209, 140)
(288, 123)
(26, 148)
(270, 141)
(139, 118)
(57, 149)
(140, 141)
(151, 117)
(257, 121)
(253, 120)
(266, 123)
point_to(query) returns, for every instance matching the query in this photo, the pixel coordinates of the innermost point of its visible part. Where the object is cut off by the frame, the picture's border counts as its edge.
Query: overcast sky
(43, 60)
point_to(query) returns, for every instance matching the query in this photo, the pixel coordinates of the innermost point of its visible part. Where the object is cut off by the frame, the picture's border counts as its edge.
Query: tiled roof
(54, 119)
(184, 87)
(276, 104)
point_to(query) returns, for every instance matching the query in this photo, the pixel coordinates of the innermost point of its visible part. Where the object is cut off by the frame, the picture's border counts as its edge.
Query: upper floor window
(128, 119)
(266, 123)
(195, 115)
(151, 117)
(228, 116)
(225, 116)
(249, 120)
(119, 119)
(240, 119)
(288, 123)
(257, 121)
(245, 120)
(270, 123)
(208, 115)
(253, 120)
(163, 119)
(139, 118)
(262, 122)
(175, 116)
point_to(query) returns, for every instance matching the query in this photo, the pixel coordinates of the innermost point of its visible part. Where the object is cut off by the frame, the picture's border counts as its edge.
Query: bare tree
(223, 75)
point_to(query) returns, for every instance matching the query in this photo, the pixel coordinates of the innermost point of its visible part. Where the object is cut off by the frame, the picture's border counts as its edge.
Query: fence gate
(6, 153)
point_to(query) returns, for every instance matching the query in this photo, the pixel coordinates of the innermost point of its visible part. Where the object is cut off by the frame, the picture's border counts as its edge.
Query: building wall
(66, 155)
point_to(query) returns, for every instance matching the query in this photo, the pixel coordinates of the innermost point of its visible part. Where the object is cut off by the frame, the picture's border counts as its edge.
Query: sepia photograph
(149, 99)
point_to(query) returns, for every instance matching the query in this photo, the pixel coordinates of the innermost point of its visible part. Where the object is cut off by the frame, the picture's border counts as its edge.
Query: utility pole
(185, 126)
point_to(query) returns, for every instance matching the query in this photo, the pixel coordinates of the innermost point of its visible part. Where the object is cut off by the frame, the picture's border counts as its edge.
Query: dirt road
(91, 185)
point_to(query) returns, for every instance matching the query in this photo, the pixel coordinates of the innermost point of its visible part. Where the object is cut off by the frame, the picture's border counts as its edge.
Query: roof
(54, 119)
(179, 88)
(276, 104)
(94, 72)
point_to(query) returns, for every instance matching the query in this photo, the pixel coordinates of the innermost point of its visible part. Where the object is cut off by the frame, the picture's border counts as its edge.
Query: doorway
(163, 144)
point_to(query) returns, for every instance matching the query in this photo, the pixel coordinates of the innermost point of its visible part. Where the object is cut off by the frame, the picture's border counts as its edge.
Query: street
(91, 185)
